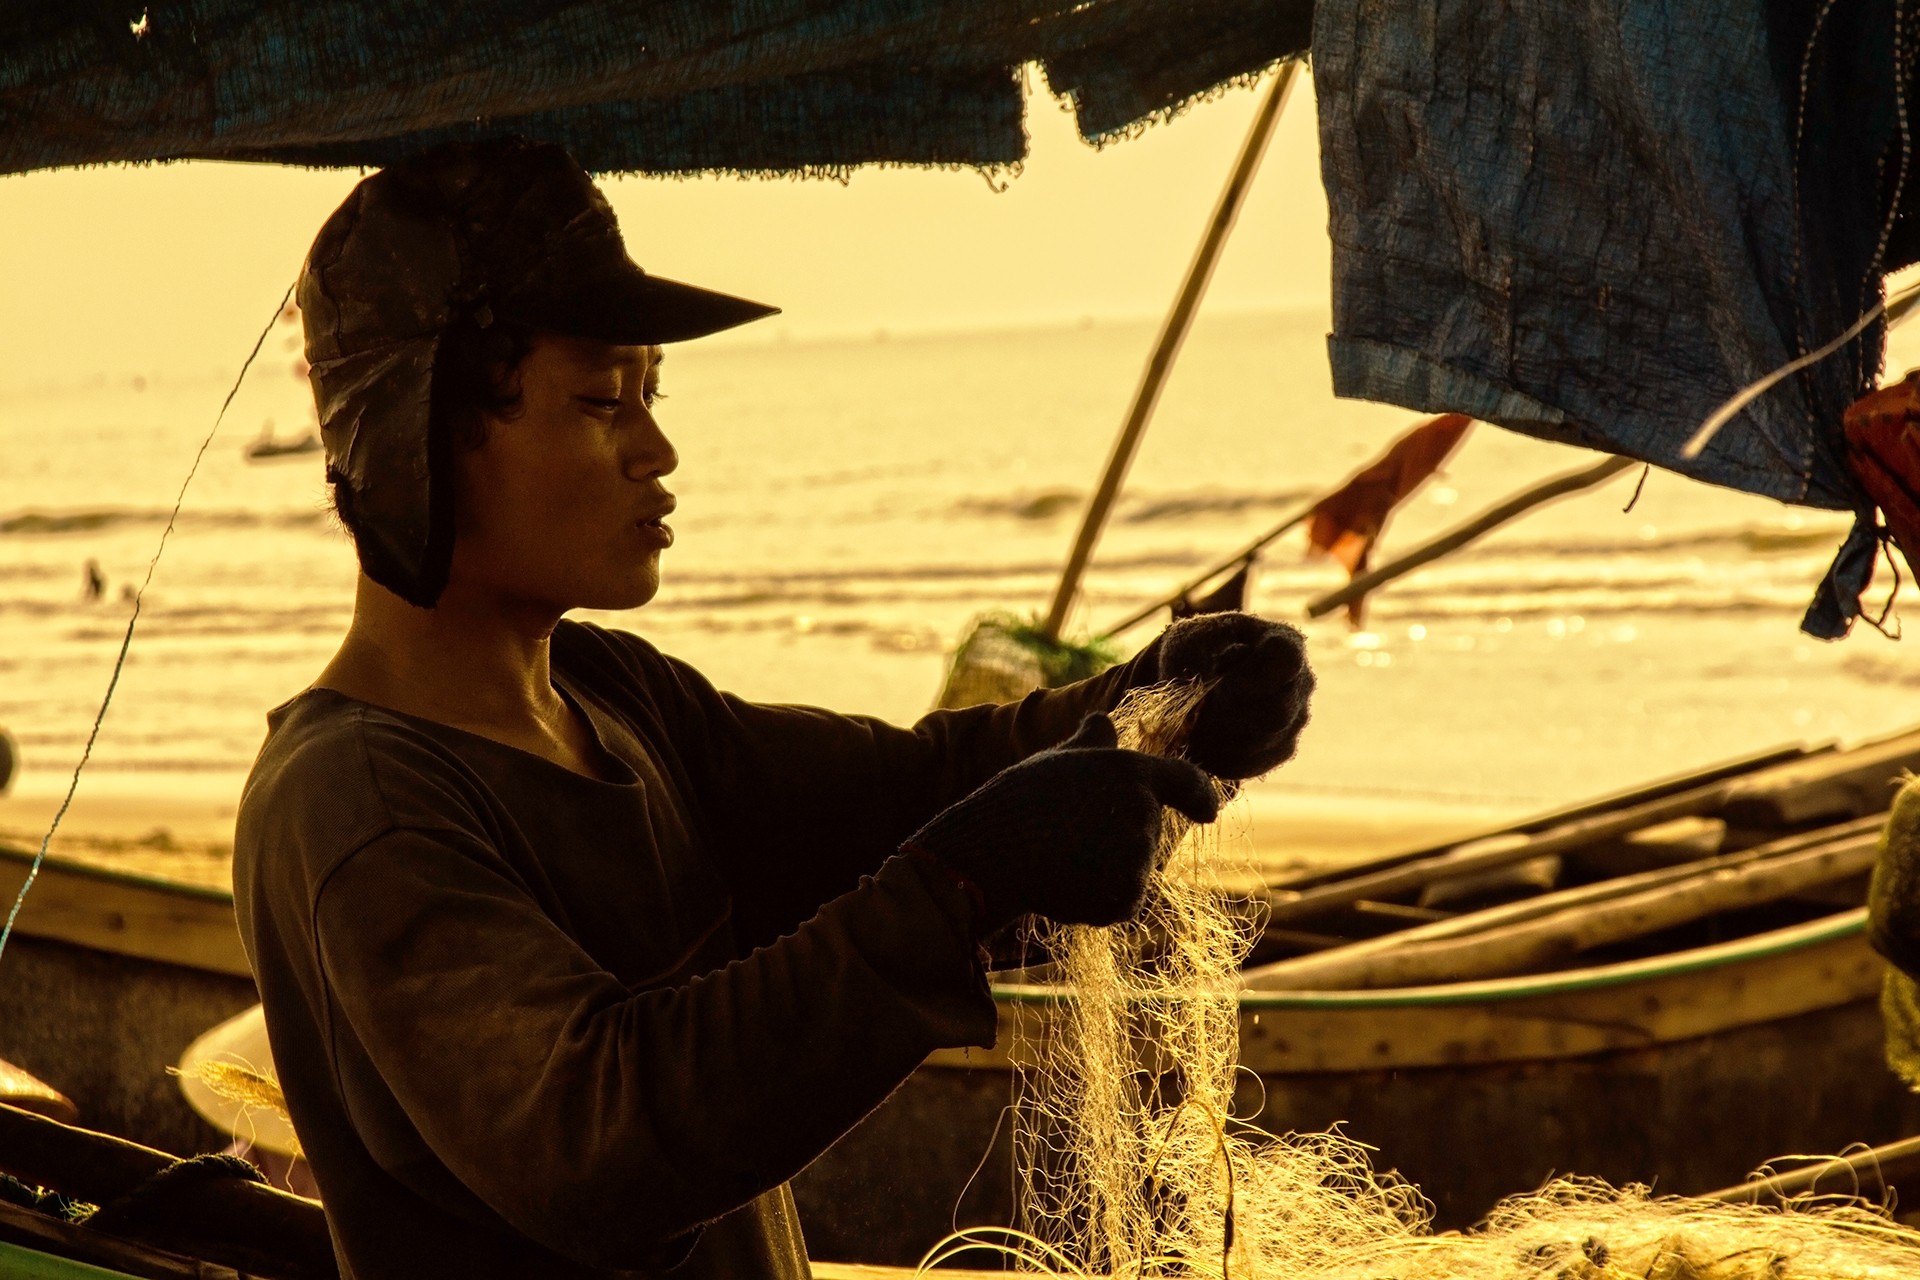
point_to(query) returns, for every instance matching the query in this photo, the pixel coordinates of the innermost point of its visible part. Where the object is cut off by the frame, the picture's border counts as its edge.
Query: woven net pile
(1135, 1164)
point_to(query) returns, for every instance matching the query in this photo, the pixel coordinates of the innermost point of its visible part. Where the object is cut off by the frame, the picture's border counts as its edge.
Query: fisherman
(570, 960)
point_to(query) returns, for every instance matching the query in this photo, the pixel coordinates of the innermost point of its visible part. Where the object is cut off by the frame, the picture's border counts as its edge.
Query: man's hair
(473, 378)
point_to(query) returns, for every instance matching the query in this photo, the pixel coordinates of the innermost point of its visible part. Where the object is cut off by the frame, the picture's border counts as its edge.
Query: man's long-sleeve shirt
(532, 1023)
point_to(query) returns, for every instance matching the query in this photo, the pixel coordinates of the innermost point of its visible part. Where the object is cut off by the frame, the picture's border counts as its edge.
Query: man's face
(562, 507)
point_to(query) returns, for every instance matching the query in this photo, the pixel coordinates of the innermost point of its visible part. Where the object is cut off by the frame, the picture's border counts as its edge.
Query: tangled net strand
(1135, 1164)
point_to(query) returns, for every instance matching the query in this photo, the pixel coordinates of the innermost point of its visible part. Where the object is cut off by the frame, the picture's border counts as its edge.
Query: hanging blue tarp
(625, 85)
(1595, 221)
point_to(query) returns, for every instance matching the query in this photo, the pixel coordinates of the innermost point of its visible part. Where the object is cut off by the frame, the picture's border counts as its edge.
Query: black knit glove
(1069, 833)
(1251, 719)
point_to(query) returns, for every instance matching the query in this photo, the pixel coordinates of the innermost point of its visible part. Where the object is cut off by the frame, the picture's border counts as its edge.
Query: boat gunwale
(67, 865)
(1830, 928)
(1760, 946)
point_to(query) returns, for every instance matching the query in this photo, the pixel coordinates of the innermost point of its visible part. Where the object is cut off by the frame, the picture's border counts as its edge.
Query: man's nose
(652, 453)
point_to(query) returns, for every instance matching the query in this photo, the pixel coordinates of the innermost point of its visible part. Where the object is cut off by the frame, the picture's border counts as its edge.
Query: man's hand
(1069, 833)
(1250, 720)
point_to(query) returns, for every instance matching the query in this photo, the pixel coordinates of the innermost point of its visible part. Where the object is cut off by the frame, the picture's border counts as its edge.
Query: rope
(128, 1214)
(120, 662)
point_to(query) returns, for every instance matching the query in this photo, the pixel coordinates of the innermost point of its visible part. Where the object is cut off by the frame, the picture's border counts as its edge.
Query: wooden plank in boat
(1657, 1010)
(1825, 788)
(125, 914)
(1658, 790)
(1632, 1005)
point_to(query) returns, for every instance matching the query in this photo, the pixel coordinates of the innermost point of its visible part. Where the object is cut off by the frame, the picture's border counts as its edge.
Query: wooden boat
(107, 979)
(269, 446)
(1686, 1057)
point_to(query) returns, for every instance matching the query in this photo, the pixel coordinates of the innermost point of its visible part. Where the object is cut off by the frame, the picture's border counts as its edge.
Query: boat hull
(1687, 1071)
(103, 1029)
(1687, 1074)
(106, 980)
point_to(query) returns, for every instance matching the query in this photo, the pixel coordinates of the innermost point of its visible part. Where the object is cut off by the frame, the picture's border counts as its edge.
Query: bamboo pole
(1282, 972)
(1561, 935)
(1454, 539)
(1172, 334)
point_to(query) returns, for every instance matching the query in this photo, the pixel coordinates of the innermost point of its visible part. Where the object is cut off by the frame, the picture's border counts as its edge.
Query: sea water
(847, 506)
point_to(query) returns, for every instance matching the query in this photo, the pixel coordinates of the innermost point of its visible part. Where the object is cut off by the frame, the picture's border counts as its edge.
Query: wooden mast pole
(1172, 334)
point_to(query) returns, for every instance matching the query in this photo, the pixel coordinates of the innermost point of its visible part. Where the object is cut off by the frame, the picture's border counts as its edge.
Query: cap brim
(632, 307)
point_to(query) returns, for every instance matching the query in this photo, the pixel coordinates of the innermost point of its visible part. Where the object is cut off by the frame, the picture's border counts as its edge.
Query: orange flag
(1347, 522)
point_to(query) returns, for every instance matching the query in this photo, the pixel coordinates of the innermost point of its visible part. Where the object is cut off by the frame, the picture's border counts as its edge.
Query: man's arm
(601, 1122)
(802, 802)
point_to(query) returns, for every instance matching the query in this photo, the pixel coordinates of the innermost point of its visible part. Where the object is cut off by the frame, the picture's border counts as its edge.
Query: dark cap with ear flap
(478, 233)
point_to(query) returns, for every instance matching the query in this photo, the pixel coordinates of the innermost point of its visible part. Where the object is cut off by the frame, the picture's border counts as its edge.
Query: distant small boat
(268, 447)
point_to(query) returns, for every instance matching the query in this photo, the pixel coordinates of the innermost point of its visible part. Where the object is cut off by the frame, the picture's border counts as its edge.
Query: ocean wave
(1385, 606)
(1879, 670)
(1752, 539)
(92, 521)
(925, 572)
(1154, 509)
(1133, 508)
(1044, 505)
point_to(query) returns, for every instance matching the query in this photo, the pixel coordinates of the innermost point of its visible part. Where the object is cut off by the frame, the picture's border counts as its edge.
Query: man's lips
(657, 524)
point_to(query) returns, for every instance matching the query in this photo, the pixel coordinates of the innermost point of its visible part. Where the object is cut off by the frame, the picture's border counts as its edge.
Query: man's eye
(653, 395)
(602, 403)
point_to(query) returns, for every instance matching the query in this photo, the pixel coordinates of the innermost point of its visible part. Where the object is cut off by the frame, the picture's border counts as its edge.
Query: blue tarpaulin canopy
(1595, 222)
(656, 86)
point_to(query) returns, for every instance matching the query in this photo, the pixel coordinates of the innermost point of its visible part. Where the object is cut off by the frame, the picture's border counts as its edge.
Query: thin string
(119, 663)
(1895, 308)
(1887, 545)
(1639, 484)
(1871, 281)
(1799, 135)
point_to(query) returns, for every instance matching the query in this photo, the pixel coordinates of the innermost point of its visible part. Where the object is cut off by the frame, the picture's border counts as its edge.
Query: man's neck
(478, 665)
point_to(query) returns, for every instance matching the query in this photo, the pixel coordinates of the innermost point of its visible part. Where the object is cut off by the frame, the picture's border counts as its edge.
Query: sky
(149, 269)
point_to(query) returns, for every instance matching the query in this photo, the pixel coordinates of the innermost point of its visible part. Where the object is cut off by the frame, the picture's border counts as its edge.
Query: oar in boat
(1298, 881)
(1836, 787)
(1556, 927)
(1490, 853)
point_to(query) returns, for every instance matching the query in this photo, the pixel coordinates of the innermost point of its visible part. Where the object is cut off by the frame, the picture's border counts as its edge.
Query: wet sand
(170, 828)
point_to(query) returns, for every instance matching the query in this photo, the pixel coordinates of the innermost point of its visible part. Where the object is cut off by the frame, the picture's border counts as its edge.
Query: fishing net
(1135, 1163)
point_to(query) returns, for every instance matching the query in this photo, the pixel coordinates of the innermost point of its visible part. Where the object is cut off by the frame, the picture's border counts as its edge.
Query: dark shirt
(531, 1023)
